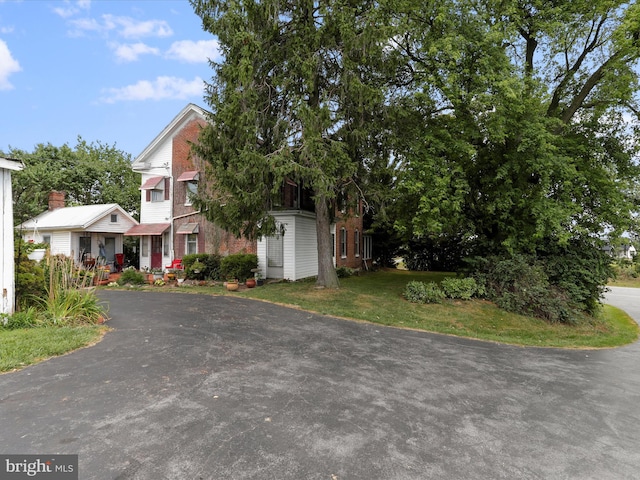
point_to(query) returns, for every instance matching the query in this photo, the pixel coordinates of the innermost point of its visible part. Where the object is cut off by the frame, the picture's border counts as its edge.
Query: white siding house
(84, 232)
(7, 265)
(292, 254)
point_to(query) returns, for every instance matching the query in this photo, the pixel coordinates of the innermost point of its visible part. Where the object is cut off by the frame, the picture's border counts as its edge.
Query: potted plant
(180, 276)
(157, 273)
(232, 284)
(197, 266)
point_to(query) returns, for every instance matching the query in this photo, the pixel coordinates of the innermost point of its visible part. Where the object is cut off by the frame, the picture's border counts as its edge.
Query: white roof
(185, 114)
(69, 218)
(11, 164)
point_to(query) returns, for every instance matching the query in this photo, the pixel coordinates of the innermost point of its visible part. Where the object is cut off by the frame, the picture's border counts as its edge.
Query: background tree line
(89, 173)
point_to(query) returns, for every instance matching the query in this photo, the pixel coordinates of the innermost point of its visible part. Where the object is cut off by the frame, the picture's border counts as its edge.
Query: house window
(157, 195)
(343, 243)
(46, 239)
(192, 244)
(144, 246)
(368, 243)
(192, 190)
(342, 201)
(356, 242)
(85, 247)
(114, 218)
(275, 251)
(333, 245)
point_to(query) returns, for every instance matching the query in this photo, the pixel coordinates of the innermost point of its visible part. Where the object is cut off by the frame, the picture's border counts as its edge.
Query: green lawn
(375, 297)
(22, 347)
(378, 298)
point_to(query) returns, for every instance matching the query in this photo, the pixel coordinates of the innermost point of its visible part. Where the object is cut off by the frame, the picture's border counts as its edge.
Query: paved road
(628, 299)
(199, 387)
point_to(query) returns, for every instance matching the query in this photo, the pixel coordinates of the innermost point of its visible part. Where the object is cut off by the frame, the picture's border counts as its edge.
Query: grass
(378, 298)
(22, 347)
(625, 282)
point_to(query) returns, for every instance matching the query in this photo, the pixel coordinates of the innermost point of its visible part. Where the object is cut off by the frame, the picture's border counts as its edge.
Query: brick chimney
(56, 200)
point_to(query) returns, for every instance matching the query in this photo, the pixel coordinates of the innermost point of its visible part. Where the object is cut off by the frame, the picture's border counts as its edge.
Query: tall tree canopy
(90, 173)
(517, 128)
(291, 99)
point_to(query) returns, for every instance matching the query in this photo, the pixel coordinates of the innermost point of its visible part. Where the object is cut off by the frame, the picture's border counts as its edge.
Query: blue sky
(114, 71)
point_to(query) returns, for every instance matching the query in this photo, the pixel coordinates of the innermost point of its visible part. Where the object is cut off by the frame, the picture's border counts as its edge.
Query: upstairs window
(157, 189)
(190, 179)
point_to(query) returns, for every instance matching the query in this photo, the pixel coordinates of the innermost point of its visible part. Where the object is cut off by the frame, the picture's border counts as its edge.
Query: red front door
(156, 251)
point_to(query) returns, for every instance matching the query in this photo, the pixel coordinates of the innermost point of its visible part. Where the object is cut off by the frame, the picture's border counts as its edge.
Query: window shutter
(167, 184)
(148, 195)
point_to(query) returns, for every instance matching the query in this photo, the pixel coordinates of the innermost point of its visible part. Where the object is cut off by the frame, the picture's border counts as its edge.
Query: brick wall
(211, 238)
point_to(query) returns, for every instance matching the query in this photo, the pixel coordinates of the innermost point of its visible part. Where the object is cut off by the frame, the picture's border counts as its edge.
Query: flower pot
(250, 282)
(232, 286)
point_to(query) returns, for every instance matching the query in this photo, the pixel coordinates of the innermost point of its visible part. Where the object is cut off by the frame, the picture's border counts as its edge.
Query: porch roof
(148, 229)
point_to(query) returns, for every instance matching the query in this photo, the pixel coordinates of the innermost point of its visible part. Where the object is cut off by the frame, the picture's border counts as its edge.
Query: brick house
(170, 227)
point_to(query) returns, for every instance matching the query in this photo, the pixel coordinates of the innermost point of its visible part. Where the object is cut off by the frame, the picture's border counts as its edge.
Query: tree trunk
(327, 276)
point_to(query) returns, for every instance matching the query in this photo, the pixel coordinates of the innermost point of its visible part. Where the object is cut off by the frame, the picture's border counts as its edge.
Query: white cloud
(8, 65)
(69, 9)
(5, 30)
(162, 88)
(131, 52)
(194, 52)
(126, 27)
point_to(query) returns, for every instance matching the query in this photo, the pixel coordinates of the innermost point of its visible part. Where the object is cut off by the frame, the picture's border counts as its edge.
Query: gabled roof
(73, 218)
(185, 115)
(11, 164)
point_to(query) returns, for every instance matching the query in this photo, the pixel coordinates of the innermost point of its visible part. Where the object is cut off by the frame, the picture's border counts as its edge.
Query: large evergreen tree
(291, 99)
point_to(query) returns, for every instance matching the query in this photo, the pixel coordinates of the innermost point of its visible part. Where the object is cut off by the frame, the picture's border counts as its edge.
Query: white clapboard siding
(61, 243)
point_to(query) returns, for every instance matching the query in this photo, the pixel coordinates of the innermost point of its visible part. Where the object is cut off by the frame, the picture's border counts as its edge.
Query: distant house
(86, 233)
(7, 265)
(627, 251)
(170, 227)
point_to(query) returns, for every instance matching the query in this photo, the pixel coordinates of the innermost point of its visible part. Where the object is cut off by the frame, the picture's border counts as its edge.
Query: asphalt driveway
(200, 387)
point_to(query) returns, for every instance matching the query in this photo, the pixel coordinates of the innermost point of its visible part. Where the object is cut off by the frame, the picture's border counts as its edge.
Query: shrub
(459, 288)
(209, 266)
(519, 284)
(344, 272)
(421, 292)
(131, 276)
(239, 266)
(24, 319)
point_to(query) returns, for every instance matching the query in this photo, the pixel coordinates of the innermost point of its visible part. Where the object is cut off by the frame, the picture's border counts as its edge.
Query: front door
(156, 251)
(110, 249)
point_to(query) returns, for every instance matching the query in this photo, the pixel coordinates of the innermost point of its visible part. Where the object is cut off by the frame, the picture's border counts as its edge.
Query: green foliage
(27, 318)
(510, 127)
(345, 272)
(520, 284)
(89, 173)
(207, 264)
(459, 288)
(69, 301)
(132, 276)
(30, 278)
(423, 292)
(239, 266)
